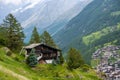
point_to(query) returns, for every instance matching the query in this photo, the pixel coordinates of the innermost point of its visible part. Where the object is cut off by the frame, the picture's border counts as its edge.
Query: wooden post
(21, 51)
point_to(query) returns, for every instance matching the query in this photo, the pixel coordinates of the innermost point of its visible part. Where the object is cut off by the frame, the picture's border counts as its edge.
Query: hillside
(98, 15)
(13, 67)
(90, 43)
(63, 19)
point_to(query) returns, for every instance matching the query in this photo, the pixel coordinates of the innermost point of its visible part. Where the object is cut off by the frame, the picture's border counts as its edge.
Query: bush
(1, 59)
(32, 60)
(74, 59)
(61, 58)
(9, 53)
(16, 59)
(2, 42)
(85, 68)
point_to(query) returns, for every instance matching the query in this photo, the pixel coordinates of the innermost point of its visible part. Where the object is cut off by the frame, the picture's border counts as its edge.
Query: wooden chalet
(45, 54)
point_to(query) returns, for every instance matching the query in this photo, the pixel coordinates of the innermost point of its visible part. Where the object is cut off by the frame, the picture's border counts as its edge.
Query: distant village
(108, 62)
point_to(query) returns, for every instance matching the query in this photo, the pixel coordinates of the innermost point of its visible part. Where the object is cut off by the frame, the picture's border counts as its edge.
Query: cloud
(15, 2)
(16, 10)
(34, 2)
(19, 2)
(31, 5)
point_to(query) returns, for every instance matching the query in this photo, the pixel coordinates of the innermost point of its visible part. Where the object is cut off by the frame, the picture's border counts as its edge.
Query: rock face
(107, 60)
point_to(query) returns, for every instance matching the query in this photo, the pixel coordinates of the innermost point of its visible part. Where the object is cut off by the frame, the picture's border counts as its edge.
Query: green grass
(117, 13)
(4, 76)
(14, 68)
(89, 39)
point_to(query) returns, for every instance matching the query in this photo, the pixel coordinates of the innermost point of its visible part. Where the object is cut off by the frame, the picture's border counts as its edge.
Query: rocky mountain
(4, 11)
(49, 15)
(7, 7)
(42, 14)
(63, 19)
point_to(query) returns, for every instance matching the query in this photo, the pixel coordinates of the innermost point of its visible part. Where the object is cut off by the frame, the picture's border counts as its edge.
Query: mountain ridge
(96, 16)
(45, 15)
(83, 25)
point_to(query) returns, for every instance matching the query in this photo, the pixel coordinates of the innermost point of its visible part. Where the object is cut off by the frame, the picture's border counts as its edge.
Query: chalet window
(40, 54)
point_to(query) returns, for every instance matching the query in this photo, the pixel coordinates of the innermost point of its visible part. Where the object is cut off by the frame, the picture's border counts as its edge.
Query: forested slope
(95, 17)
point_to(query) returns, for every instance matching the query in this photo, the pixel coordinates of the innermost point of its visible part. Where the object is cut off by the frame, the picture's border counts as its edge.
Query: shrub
(16, 59)
(74, 59)
(61, 58)
(32, 60)
(9, 53)
(85, 68)
(1, 59)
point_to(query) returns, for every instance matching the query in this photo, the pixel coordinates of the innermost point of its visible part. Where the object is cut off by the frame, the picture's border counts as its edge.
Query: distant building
(109, 61)
(45, 54)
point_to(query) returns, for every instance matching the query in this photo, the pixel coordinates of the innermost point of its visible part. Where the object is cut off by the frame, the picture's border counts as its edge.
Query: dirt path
(7, 71)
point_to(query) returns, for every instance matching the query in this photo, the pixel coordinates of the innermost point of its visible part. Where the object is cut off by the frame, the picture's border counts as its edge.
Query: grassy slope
(14, 68)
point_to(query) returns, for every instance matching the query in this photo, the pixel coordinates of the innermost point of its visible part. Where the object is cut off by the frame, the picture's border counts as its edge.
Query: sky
(16, 5)
(15, 2)
(12, 6)
(18, 2)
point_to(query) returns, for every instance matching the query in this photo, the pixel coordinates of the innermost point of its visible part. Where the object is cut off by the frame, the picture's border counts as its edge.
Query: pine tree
(74, 59)
(3, 37)
(32, 59)
(47, 39)
(14, 33)
(35, 38)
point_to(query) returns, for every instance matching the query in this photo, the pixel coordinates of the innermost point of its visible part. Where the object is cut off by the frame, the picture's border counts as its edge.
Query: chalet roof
(38, 44)
(32, 46)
